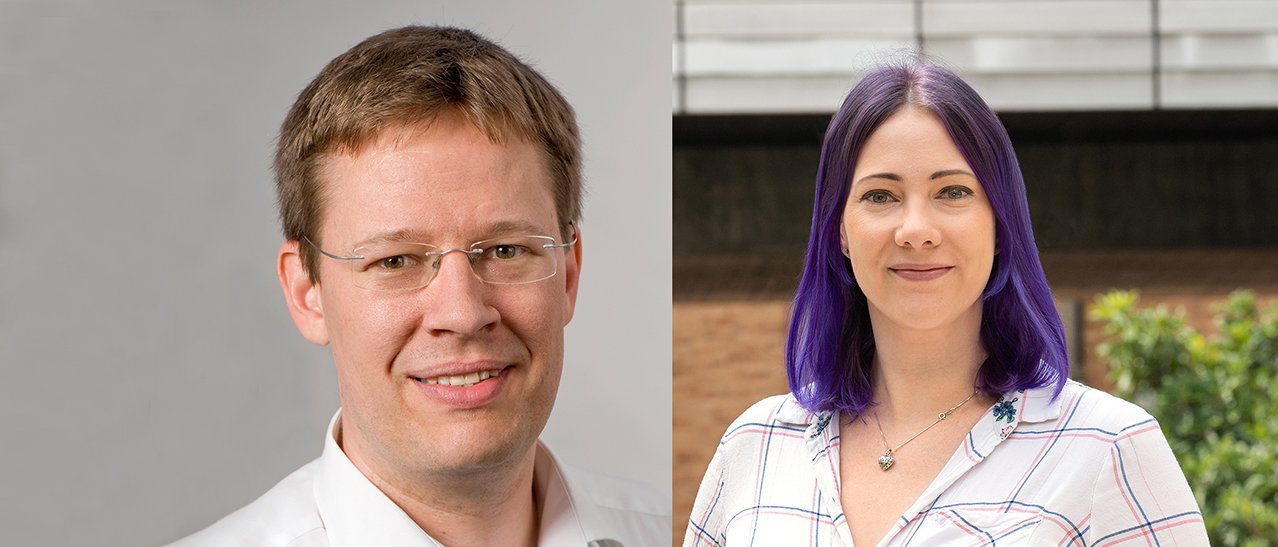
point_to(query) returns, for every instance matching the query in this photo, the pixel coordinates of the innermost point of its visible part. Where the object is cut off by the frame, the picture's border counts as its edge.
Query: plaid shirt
(1084, 469)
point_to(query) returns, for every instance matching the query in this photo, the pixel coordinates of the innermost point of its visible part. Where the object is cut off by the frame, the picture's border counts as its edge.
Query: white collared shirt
(330, 503)
(1084, 469)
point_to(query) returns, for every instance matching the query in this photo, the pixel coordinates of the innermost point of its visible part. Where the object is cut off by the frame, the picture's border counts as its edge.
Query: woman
(930, 403)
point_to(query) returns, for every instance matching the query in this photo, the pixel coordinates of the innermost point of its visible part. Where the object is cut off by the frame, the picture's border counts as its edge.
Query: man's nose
(456, 299)
(918, 227)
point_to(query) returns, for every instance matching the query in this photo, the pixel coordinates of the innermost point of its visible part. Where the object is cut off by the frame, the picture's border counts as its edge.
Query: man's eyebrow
(499, 228)
(519, 227)
(394, 236)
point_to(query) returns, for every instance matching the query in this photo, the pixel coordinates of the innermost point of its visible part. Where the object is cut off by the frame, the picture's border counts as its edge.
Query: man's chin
(467, 458)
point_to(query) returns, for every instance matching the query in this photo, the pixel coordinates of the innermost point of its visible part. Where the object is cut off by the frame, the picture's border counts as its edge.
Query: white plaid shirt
(1084, 469)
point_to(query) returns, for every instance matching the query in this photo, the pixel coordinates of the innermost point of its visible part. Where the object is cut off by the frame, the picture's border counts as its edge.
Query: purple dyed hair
(830, 347)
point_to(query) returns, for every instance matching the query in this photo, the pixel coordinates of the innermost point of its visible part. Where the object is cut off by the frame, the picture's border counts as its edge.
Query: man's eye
(506, 252)
(877, 196)
(955, 192)
(396, 262)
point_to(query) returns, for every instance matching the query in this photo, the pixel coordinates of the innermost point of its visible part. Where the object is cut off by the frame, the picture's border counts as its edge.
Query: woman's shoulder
(783, 408)
(1135, 471)
(1084, 406)
(775, 414)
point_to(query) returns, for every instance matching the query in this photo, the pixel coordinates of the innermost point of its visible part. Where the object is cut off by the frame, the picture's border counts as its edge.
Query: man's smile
(463, 385)
(464, 380)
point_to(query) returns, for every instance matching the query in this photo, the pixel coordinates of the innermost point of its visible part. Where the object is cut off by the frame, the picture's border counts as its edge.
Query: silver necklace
(887, 459)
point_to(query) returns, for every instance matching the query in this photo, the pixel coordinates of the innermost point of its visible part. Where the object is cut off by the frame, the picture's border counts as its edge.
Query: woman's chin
(925, 316)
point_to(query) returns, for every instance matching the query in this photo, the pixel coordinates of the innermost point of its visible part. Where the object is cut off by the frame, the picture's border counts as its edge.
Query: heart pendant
(886, 461)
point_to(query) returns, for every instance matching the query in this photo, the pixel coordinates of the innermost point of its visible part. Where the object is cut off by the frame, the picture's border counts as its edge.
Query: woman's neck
(918, 373)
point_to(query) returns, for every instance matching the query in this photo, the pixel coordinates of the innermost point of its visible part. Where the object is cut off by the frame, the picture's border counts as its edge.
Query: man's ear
(572, 272)
(302, 295)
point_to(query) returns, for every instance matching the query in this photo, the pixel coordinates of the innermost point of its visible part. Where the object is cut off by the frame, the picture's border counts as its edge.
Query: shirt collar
(791, 412)
(1035, 405)
(561, 524)
(355, 512)
(1030, 406)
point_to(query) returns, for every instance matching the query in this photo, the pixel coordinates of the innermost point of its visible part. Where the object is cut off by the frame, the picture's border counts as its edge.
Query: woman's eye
(877, 197)
(955, 192)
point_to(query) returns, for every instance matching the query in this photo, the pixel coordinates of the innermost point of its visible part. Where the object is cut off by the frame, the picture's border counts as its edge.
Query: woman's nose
(918, 227)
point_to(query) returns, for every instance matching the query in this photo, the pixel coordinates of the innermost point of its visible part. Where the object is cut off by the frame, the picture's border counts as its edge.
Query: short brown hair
(406, 76)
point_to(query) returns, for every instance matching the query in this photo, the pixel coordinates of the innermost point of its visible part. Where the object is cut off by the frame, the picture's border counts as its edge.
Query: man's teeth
(461, 379)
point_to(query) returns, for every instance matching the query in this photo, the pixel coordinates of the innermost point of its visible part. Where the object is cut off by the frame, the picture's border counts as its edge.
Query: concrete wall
(738, 56)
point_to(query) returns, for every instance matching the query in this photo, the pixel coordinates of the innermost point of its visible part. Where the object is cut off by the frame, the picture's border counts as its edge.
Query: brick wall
(728, 346)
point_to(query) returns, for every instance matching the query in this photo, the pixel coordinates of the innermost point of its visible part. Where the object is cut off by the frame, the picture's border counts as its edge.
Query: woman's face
(917, 225)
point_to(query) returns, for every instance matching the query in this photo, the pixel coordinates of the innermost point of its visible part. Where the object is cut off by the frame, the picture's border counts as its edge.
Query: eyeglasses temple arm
(561, 245)
(331, 255)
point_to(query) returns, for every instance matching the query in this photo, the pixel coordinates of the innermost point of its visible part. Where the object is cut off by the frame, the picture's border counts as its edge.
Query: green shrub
(1211, 394)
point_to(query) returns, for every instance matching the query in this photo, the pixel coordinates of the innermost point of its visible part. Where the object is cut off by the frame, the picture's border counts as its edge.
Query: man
(429, 185)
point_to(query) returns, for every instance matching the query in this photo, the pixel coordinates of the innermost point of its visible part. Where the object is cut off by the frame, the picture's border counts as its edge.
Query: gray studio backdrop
(151, 378)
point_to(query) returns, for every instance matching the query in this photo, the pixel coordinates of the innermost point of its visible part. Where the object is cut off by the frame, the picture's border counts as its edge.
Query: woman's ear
(843, 241)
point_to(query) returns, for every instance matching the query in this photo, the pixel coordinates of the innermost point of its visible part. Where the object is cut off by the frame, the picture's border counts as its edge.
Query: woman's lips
(926, 272)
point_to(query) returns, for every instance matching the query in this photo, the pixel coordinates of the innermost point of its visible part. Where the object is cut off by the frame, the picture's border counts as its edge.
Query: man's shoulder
(617, 494)
(286, 515)
(619, 509)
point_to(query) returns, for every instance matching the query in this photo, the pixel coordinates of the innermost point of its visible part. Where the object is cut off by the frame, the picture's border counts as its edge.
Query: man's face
(448, 185)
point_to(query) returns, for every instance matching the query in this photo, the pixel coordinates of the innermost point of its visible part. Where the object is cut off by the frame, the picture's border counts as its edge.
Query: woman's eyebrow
(949, 172)
(939, 174)
(889, 176)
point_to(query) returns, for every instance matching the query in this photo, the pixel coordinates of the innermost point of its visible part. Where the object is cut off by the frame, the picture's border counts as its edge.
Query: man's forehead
(446, 145)
(392, 134)
(456, 195)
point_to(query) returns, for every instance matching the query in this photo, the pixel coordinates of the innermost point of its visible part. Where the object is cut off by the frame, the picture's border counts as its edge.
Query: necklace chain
(888, 458)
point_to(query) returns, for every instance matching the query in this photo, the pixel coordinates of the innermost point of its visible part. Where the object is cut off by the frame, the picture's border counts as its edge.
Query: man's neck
(458, 511)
